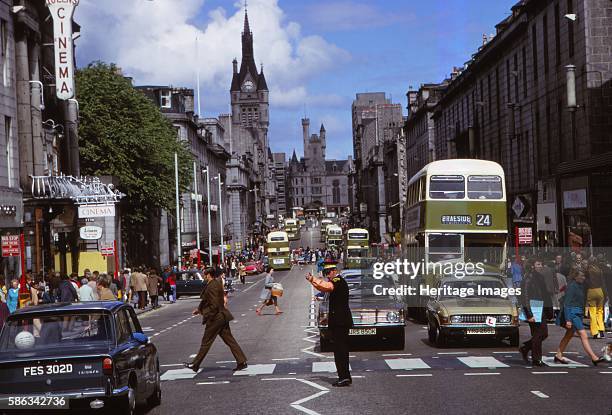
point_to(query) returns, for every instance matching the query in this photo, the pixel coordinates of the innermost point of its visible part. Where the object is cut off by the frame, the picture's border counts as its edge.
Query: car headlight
(456, 319)
(393, 317)
(505, 319)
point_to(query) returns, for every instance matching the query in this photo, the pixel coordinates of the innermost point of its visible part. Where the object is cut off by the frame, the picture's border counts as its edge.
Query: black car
(375, 316)
(189, 283)
(89, 356)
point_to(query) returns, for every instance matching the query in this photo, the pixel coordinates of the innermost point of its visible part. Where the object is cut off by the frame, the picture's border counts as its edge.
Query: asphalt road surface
(288, 374)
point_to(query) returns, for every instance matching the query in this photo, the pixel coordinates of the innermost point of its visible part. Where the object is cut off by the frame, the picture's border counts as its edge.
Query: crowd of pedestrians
(566, 289)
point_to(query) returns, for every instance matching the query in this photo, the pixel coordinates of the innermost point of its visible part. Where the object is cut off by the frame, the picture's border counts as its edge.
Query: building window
(8, 134)
(545, 36)
(336, 192)
(534, 46)
(570, 28)
(166, 99)
(6, 78)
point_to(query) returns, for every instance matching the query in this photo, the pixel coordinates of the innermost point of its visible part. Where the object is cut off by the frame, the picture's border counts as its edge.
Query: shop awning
(81, 190)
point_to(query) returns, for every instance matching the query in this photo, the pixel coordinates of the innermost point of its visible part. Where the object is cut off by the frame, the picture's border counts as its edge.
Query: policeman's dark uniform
(340, 322)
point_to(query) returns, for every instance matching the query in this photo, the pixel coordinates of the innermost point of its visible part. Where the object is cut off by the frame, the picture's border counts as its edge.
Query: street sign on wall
(96, 211)
(525, 236)
(10, 245)
(62, 12)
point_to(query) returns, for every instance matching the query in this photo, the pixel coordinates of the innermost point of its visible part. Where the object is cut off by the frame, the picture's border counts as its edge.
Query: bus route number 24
(483, 219)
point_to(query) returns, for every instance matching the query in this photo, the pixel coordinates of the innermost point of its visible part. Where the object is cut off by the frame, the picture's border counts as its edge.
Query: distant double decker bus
(277, 249)
(323, 228)
(293, 229)
(333, 237)
(456, 212)
(357, 247)
(298, 214)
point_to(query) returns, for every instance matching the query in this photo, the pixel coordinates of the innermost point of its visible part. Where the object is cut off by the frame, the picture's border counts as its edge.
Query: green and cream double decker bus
(293, 229)
(324, 223)
(357, 247)
(456, 212)
(277, 249)
(333, 237)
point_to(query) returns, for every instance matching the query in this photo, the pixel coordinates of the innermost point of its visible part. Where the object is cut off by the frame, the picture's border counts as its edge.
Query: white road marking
(504, 352)
(415, 375)
(452, 352)
(171, 364)
(540, 394)
(606, 373)
(224, 361)
(564, 352)
(549, 373)
(482, 362)
(482, 374)
(328, 367)
(286, 358)
(397, 354)
(191, 356)
(550, 361)
(267, 369)
(314, 385)
(306, 350)
(220, 382)
(357, 376)
(148, 329)
(407, 364)
(278, 378)
(174, 374)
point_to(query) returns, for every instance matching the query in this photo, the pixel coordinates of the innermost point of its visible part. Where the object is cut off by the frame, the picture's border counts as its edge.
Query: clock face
(248, 85)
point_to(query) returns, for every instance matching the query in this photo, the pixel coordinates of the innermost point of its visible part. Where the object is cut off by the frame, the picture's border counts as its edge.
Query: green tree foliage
(123, 134)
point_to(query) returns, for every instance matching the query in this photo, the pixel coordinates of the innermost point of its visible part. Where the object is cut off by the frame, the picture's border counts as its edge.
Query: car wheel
(155, 398)
(129, 403)
(441, 339)
(325, 344)
(431, 333)
(515, 338)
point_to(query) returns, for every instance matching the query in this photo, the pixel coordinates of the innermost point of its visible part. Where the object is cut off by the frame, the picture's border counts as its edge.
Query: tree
(123, 134)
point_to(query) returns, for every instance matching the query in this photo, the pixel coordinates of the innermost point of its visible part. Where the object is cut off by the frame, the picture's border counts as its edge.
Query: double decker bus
(323, 228)
(333, 237)
(293, 229)
(298, 214)
(277, 249)
(455, 212)
(357, 247)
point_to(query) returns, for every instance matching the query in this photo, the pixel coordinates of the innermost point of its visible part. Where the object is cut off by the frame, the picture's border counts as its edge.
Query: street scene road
(288, 372)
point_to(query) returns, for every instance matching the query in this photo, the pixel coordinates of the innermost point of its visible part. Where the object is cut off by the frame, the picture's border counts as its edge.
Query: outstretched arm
(319, 284)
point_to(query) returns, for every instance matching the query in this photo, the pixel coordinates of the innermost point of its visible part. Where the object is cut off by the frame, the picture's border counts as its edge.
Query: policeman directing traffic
(340, 320)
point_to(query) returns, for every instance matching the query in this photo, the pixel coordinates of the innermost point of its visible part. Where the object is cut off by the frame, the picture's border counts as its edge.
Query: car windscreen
(366, 286)
(46, 332)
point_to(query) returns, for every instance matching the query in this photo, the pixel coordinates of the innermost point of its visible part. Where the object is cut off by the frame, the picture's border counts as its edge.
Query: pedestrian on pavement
(153, 281)
(4, 312)
(340, 319)
(534, 291)
(216, 317)
(93, 283)
(172, 284)
(266, 293)
(12, 298)
(517, 272)
(68, 293)
(85, 292)
(596, 298)
(242, 272)
(139, 284)
(571, 318)
(104, 293)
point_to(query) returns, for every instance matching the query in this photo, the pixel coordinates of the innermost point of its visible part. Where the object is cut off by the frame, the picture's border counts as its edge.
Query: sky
(316, 54)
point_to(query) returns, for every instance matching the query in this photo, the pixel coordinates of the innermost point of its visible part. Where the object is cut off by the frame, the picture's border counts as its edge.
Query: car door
(147, 352)
(130, 354)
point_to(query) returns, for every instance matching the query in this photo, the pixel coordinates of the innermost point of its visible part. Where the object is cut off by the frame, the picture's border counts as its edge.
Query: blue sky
(317, 54)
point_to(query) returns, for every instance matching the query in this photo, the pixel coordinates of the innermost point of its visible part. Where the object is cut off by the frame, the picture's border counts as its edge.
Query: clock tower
(248, 166)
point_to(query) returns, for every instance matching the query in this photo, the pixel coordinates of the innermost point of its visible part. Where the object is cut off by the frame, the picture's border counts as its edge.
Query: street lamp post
(178, 211)
(218, 179)
(197, 213)
(208, 204)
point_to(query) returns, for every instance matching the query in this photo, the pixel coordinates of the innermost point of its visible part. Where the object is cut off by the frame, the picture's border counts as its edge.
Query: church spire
(246, 29)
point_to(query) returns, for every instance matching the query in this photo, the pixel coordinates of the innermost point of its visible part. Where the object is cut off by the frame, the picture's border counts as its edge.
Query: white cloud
(154, 41)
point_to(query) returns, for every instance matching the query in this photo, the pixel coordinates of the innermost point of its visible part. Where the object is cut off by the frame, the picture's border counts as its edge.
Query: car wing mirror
(140, 338)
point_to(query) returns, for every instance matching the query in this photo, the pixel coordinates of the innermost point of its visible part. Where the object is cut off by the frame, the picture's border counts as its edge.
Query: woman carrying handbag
(266, 293)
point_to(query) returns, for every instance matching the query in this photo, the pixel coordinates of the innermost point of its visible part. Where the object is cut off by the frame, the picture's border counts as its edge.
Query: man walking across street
(340, 320)
(139, 284)
(216, 318)
(537, 305)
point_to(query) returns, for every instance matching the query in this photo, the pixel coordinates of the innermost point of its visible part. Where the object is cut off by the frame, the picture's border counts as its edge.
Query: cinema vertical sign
(62, 12)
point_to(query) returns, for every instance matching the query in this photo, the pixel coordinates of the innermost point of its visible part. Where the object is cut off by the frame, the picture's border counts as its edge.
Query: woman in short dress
(572, 316)
(266, 293)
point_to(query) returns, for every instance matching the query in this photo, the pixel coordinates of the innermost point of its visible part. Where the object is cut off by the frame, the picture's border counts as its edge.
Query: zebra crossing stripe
(407, 364)
(328, 367)
(482, 362)
(251, 370)
(175, 374)
(550, 361)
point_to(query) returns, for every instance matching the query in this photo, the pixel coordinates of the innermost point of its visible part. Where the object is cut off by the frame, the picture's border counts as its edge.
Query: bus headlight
(393, 317)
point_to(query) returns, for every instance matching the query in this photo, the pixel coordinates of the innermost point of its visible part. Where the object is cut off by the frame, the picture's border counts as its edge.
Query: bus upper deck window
(485, 187)
(447, 187)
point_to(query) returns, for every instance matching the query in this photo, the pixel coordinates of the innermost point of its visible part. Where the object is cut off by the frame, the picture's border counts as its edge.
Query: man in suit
(340, 319)
(216, 318)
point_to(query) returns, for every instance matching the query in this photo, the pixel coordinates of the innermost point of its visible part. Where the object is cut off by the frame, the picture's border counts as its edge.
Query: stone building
(376, 121)
(205, 139)
(248, 167)
(280, 172)
(314, 182)
(510, 104)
